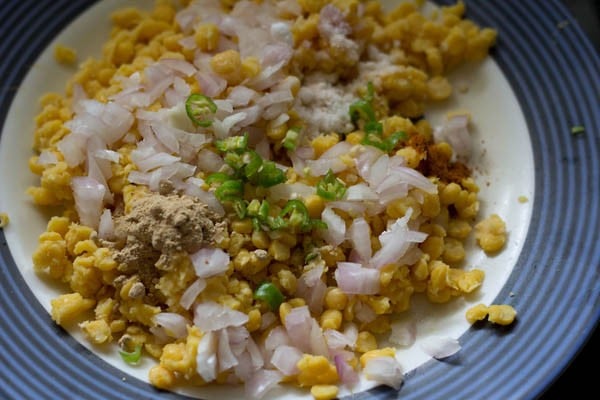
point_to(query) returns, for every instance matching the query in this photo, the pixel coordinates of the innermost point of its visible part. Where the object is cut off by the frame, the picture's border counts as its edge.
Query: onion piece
(359, 235)
(211, 316)
(226, 357)
(337, 340)
(261, 382)
(403, 333)
(348, 376)
(191, 293)
(297, 323)
(384, 370)
(352, 278)
(276, 337)
(455, 132)
(336, 227)
(440, 347)
(285, 359)
(206, 357)
(210, 262)
(175, 325)
(106, 227)
(396, 241)
(88, 194)
(318, 344)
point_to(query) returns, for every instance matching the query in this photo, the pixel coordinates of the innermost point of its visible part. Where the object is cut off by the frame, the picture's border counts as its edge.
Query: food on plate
(4, 219)
(65, 55)
(251, 194)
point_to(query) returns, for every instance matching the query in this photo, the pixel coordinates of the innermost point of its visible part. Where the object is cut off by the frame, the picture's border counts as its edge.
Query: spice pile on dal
(251, 193)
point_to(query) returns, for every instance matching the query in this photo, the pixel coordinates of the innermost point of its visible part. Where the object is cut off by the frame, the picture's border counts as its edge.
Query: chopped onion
(211, 316)
(336, 227)
(47, 157)
(338, 340)
(312, 289)
(206, 357)
(353, 278)
(241, 96)
(106, 227)
(261, 382)
(297, 323)
(89, 195)
(238, 339)
(210, 262)
(440, 347)
(226, 357)
(403, 333)
(348, 376)
(191, 293)
(360, 192)
(285, 359)
(455, 132)
(175, 325)
(396, 241)
(359, 235)
(277, 337)
(384, 370)
(318, 344)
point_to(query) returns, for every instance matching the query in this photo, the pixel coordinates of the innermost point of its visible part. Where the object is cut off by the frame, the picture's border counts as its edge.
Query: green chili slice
(240, 208)
(231, 190)
(269, 175)
(362, 109)
(290, 141)
(394, 138)
(217, 177)
(234, 160)
(132, 357)
(331, 188)
(234, 143)
(270, 294)
(252, 164)
(198, 107)
(577, 130)
(297, 215)
(375, 140)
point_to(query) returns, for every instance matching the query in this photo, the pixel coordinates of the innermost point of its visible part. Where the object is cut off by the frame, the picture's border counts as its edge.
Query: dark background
(581, 375)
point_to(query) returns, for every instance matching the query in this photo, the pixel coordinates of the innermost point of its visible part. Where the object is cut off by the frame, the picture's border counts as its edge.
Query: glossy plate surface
(543, 78)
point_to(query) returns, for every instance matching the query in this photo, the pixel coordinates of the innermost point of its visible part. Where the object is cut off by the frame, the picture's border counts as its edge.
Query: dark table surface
(577, 378)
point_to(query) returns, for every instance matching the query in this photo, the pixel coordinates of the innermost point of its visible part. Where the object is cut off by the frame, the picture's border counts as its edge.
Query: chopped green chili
(198, 107)
(290, 141)
(331, 188)
(231, 190)
(297, 214)
(240, 208)
(132, 357)
(234, 143)
(217, 177)
(270, 294)
(361, 109)
(269, 175)
(577, 130)
(252, 164)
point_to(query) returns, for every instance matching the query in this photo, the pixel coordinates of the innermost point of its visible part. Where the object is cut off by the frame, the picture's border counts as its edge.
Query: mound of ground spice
(160, 228)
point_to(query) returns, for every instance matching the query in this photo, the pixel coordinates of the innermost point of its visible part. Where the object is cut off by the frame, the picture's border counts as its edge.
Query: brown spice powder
(161, 228)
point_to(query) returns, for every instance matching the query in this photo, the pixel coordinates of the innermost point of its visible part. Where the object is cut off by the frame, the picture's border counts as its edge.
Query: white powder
(325, 108)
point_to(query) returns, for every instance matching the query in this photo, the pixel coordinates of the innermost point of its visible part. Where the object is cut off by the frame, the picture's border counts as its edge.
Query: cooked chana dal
(251, 193)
